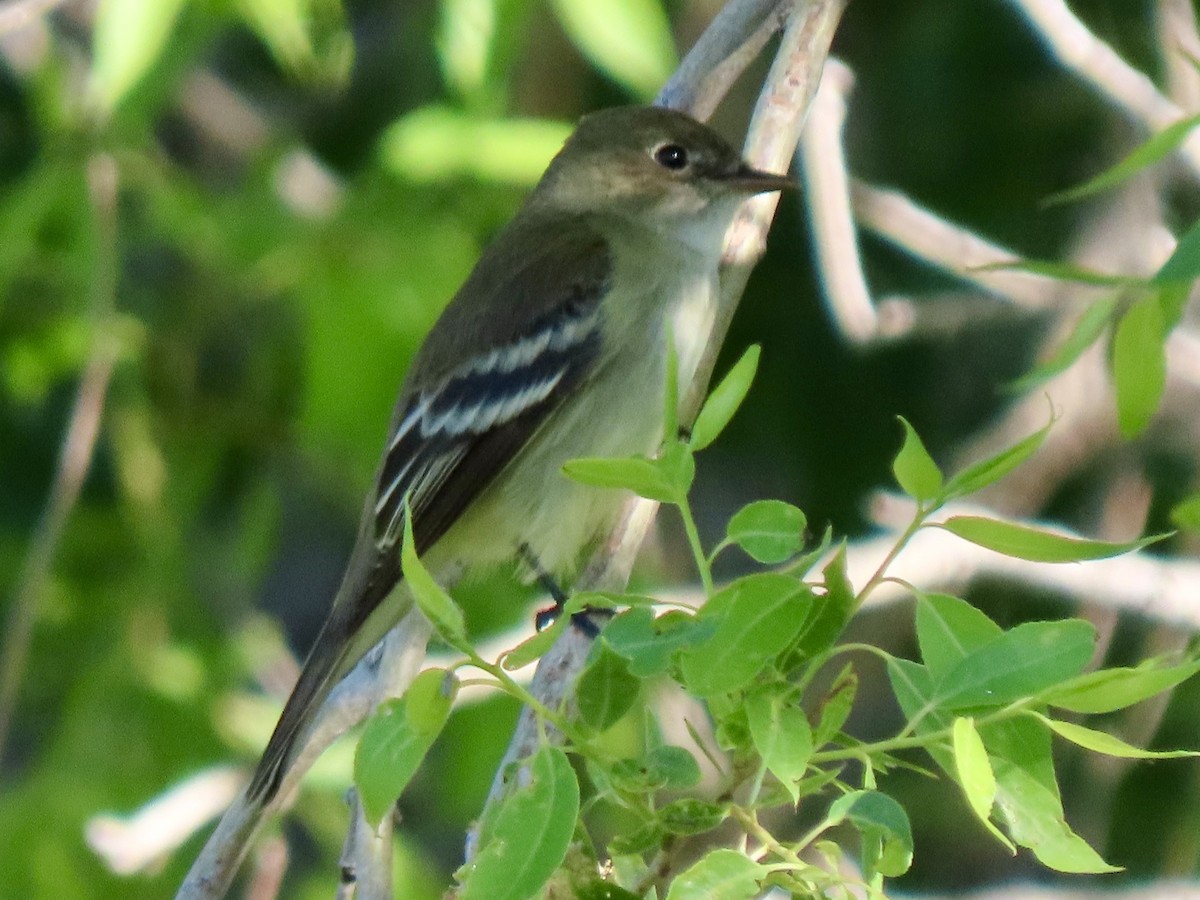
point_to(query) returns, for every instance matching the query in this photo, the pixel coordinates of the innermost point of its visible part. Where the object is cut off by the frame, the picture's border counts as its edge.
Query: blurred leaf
(949, 630)
(720, 875)
(396, 738)
(1085, 333)
(723, 403)
(1183, 265)
(1147, 154)
(436, 143)
(916, 472)
(1034, 544)
(308, 37)
(975, 775)
(986, 472)
(529, 833)
(770, 531)
(1019, 663)
(759, 616)
(1102, 742)
(781, 735)
(1139, 362)
(1186, 513)
(628, 40)
(605, 690)
(1063, 271)
(1111, 689)
(128, 38)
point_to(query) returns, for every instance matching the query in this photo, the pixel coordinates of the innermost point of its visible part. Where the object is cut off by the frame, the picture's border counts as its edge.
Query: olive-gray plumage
(554, 348)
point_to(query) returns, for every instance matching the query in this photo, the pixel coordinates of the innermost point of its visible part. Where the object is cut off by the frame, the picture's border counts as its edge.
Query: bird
(554, 348)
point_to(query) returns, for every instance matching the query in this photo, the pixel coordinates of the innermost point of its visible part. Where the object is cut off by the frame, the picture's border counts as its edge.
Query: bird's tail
(355, 624)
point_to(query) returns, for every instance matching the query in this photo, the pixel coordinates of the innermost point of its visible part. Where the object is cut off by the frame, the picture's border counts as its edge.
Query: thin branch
(366, 861)
(827, 195)
(79, 442)
(16, 14)
(1077, 48)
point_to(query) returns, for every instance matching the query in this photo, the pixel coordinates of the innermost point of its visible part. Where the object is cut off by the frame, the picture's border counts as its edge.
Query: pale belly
(532, 502)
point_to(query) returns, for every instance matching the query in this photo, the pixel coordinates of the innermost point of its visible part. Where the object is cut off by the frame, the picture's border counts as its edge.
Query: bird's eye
(671, 156)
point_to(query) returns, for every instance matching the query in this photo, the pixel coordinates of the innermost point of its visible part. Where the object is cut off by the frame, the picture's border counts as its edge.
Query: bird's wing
(463, 417)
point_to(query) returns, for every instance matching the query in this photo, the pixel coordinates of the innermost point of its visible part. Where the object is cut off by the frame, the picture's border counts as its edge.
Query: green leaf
(128, 38)
(1019, 663)
(915, 470)
(1102, 742)
(1111, 689)
(1063, 271)
(628, 40)
(605, 690)
(835, 709)
(676, 768)
(758, 616)
(949, 630)
(720, 875)
(781, 735)
(770, 531)
(1033, 544)
(1139, 362)
(536, 646)
(649, 643)
(1183, 265)
(975, 775)
(396, 739)
(436, 143)
(884, 826)
(1186, 513)
(529, 834)
(1085, 333)
(691, 815)
(830, 612)
(1149, 153)
(1028, 799)
(666, 480)
(437, 605)
(725, 400)
(981, 474)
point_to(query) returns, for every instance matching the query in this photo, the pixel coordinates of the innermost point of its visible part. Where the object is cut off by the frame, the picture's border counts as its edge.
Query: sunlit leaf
(128, 38)
(629, 40)
(723, 403)
(914, 468)
(437, 605)
(770, 531)
(1107, 744)
(1111, 689)
(1085, 333)
(529, 833)
(949, 630)
(720, 875)
(781, 735)
(986, 472)
(1147, 154)
(975, 775)
(1034, 544)
(1139, 361)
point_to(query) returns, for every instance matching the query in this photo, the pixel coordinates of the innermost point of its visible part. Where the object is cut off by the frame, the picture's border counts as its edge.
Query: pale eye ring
(671, 156)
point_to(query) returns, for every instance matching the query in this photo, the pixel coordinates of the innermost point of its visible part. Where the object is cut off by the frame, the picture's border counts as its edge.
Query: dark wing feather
(457, 427)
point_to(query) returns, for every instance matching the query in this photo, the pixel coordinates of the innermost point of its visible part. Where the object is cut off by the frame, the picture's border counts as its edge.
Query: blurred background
(225, 226)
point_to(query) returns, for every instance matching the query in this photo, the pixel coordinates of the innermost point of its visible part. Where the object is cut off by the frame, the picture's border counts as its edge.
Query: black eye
(671, 156)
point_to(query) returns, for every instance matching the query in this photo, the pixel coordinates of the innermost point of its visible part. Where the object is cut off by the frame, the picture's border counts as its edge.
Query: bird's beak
(755, 181)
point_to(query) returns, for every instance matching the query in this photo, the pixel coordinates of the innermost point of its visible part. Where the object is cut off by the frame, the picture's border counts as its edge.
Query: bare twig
(366, 860)
(1077, 48)
(16, 14)
(827, 192)
(79, 442)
